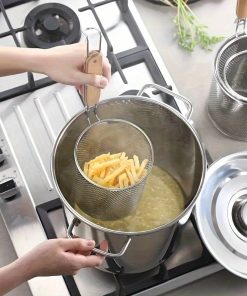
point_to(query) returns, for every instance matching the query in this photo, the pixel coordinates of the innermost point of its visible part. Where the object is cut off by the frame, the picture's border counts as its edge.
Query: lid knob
(239, 213)
(51, 23)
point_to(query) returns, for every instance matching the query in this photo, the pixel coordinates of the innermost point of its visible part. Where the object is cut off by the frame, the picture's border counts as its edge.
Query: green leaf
(190, 32)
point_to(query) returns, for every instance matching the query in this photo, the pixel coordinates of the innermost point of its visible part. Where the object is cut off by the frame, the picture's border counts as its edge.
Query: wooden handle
(241, 10)
(93, 65)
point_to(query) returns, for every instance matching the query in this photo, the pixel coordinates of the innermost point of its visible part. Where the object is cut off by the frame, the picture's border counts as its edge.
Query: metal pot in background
(221, 212)
(177, 149)
(226, 107)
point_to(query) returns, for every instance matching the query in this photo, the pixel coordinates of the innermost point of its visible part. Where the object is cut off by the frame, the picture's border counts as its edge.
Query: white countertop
(192, 75)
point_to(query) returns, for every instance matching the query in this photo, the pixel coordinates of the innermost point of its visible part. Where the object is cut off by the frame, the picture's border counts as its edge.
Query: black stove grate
(11, 3)
(130, 284)
(140, 53)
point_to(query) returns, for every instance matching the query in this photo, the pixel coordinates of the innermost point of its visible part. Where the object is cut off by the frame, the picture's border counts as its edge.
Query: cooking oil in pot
(162, 201)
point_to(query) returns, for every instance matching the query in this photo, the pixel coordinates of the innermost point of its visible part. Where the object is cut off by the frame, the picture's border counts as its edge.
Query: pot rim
(218, 78)
(134, 233)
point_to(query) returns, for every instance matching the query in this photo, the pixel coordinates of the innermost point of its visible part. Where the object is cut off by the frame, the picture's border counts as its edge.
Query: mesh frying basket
(114, 136)
(235, 75)
(227, 104)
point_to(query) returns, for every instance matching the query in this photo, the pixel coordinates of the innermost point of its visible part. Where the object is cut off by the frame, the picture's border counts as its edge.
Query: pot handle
(171, 93)
(76, 222)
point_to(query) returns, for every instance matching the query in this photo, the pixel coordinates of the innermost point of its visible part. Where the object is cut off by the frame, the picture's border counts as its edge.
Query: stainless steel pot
(177, 149)
(221, 212)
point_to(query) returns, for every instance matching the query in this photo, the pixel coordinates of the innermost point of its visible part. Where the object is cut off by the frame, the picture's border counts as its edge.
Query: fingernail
(91, 243)
(103, 82)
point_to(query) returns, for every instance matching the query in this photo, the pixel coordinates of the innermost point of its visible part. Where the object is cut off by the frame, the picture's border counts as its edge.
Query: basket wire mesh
(101, 137)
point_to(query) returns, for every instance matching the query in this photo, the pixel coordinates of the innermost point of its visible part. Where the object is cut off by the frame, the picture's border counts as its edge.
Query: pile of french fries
(115, 170)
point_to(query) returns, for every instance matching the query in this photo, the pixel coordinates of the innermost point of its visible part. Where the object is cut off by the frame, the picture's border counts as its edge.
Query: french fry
(142, 166)
(123, 154)
(131, 179)
(102, 173)
(120, 181)
(101, 166)
(115, 170)
(126, 182)
(133, 170)
(115, 173)
(99, 181)
(136, 162)
(114, 156)
(100, 158)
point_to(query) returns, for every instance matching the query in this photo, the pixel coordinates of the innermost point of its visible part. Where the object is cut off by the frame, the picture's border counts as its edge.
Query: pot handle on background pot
(76, 222)
(171, 93)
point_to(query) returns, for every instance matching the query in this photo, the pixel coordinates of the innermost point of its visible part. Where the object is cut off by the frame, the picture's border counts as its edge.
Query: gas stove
(34, 109)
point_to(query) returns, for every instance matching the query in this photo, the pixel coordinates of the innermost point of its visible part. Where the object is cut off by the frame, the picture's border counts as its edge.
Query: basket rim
(228, 42)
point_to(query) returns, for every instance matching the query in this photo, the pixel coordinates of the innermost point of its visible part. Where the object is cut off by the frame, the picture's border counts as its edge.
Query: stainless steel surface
(225, 189)
(38, 114)
(166, 128)
(192, 74)
(8, 255)
(111, 135)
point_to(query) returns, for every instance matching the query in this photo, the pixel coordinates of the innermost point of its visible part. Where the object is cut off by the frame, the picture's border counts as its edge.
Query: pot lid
(221, 212)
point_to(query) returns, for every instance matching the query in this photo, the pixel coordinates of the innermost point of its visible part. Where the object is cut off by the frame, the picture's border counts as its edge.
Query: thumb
(91, 79)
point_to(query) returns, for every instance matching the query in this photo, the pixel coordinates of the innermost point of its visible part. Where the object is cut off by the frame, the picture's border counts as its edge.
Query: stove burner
(50, 25)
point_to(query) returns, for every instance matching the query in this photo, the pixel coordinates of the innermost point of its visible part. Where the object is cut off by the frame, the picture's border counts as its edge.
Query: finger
(104, 245)
(76, 245)
(106, 68)
(81, 90)
(89, 261)
(91, 79)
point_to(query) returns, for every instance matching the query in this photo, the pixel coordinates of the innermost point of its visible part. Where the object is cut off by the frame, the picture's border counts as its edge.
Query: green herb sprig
(190, 32)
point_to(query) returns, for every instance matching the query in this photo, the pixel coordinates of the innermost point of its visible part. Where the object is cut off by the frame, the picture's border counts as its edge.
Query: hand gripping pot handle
(171, 93)
(76, 222)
